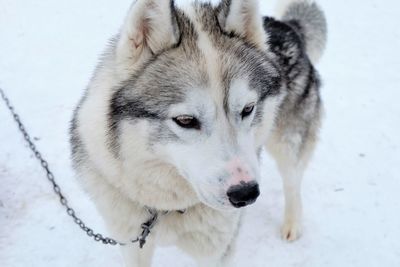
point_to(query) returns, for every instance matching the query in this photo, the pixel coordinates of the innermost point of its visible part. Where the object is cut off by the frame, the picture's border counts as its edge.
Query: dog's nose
(243, 194)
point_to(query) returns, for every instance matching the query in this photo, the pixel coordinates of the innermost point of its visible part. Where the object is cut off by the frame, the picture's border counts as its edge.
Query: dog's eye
(188, 122)
(247, 110)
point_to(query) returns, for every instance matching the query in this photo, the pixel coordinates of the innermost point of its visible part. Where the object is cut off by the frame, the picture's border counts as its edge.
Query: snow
(48, 50)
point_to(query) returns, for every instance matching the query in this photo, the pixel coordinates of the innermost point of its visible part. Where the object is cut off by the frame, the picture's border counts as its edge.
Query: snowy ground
(351, 192)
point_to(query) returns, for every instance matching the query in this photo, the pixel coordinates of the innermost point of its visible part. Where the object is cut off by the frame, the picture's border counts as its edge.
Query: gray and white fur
(176, 114)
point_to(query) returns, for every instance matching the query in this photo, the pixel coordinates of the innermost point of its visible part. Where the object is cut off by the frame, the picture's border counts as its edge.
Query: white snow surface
(48, 50)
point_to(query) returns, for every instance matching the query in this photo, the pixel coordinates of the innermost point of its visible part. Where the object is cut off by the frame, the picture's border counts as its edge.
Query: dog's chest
(200, 230)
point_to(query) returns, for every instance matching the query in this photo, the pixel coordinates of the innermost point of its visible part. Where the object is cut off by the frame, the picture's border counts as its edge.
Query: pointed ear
(243, 18)
(149, 27)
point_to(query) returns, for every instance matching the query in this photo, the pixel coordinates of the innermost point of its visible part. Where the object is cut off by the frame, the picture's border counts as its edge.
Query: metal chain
(146, 227)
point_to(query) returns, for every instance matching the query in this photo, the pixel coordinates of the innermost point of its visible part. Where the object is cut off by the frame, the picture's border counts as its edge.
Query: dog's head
(201, 92)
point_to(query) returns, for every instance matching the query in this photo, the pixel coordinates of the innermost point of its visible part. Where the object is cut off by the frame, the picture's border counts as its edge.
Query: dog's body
(178, 110)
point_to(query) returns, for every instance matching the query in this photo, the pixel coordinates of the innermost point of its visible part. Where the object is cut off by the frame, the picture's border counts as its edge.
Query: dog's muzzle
(243, 194)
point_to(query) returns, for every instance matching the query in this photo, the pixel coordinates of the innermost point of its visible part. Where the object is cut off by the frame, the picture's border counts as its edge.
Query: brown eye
(247, 110)
(187, 122)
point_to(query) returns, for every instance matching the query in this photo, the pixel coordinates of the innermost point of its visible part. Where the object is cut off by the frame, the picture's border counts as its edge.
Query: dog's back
(297, 40)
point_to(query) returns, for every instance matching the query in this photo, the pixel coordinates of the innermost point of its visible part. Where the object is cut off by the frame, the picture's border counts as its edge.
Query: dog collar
(149, 225)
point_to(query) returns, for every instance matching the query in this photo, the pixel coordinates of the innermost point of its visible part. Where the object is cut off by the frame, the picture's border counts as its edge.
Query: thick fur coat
(177, 112)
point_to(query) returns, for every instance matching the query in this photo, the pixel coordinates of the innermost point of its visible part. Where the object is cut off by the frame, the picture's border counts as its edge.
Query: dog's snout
(239, 171)
(243, 194)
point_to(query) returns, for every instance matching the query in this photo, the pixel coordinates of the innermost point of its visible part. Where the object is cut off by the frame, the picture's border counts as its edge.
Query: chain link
(146, 227)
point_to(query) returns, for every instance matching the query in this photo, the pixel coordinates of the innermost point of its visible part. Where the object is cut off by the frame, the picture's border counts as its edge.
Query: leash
(146, 226)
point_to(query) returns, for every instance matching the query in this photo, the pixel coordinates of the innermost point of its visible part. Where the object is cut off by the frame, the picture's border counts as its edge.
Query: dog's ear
(242, 17)
(150, 26)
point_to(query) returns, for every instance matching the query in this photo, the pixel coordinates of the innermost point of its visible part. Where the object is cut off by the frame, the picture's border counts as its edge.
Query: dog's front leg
(137, 257)
(292, 158)
(292, 175)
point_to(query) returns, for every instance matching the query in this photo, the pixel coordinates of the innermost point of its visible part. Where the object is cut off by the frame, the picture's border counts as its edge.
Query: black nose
(243, 194)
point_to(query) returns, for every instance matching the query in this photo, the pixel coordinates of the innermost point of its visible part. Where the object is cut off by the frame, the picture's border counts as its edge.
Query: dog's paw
(291, 231)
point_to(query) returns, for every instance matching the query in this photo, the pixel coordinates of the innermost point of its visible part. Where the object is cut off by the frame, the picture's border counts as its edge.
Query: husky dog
(178, 110)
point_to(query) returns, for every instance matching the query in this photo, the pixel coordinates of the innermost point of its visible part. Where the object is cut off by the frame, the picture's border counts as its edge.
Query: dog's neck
(157, 185)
